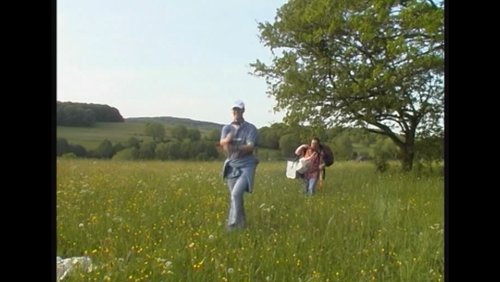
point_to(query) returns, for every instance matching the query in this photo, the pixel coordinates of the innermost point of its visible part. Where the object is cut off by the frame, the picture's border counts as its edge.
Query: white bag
(295, 167)
(302, 166)
(291, 169)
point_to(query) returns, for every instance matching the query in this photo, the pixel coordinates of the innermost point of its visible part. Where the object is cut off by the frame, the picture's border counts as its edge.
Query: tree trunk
(407, 155)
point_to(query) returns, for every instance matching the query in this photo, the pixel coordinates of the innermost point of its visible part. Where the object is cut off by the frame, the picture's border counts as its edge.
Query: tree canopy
(155, 130)
(83, 114)
(375, 64)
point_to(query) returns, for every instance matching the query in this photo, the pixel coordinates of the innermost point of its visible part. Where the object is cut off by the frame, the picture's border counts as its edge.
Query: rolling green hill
(120, 132)
(203, 126)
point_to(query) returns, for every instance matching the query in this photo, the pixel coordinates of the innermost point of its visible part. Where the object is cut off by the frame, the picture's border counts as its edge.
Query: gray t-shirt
(244, 134)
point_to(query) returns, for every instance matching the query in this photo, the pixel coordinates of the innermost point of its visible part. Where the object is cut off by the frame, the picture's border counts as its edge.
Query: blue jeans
(310, 186)
(237, 188)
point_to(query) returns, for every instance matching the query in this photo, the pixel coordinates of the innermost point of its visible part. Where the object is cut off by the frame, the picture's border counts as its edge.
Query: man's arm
(226, 138)
(249, 146)
(300, 151)
(246, 149)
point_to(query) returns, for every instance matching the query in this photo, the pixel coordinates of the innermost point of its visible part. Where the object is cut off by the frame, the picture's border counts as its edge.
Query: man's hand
(245, 149)
(225, 142)
(227, 139)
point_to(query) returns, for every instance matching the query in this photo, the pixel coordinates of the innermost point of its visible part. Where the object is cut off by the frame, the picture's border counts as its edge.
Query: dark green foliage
(383, 152)
(155, 130)
(82, 114)
(200, 150)
(374, 64)
(62, 146)
(105, 150)
(133, 142)
(346, 143)
(288, 144)
(269, 138)
(343, 147)
(213, 135)
(430, 148)
(69, 156)
(161, 151)
(72, 115)
(381, 160)
(187, 151)
(118, 147)
(174, 150)
(127, 154)
(179, 132)
(78, 150)
(429, 151)
(147, 150)
(193, 134)
(381, 164)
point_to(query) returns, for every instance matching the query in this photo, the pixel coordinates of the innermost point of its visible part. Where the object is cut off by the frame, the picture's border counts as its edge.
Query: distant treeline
(136, 149)
(277, 141)
(82, 114)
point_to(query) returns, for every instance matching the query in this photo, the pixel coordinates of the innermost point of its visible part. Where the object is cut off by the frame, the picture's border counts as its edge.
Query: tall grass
(164, 221)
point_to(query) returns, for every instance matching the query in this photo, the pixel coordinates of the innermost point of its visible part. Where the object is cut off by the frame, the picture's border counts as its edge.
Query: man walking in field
(238, 141)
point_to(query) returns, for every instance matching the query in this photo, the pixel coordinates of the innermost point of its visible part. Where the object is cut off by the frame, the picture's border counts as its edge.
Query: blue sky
(181, 58)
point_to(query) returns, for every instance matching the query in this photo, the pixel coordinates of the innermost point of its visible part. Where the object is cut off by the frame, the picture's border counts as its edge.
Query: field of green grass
(91, 137)
(116, 132)
(164, 221)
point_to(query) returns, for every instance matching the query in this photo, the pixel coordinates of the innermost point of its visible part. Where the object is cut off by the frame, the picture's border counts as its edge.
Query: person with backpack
(313, 155)
(328, 160)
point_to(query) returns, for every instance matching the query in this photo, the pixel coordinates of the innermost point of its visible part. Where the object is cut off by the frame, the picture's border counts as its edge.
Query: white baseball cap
(239, 104)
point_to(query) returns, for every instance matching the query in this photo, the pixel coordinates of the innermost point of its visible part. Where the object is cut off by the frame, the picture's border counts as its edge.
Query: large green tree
(179, 132)
(155, 130)
(376, 64)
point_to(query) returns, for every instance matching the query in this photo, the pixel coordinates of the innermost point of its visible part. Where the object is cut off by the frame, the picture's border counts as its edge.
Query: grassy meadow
(119, 132)
(91, 137)
(165, 221)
